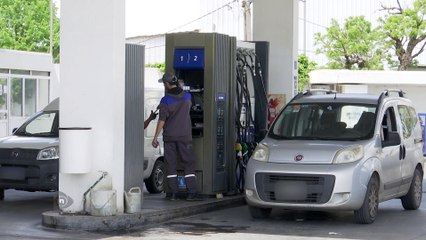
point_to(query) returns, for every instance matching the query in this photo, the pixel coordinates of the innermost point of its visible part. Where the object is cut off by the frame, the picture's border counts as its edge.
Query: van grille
(294, 188)
(19, 154)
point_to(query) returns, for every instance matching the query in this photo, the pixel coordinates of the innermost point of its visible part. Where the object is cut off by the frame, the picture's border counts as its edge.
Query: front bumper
(29, 175)
(305, 186)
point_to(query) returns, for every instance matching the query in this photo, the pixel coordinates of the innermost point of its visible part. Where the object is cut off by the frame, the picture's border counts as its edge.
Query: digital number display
(189, 59)
(221, 96)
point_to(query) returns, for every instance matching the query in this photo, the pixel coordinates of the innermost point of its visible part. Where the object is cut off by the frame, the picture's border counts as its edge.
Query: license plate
(12, 173)
(290, 190)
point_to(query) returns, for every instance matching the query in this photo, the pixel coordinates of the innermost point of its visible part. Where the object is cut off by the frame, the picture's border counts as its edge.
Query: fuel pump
(228, 113)
(205, 65)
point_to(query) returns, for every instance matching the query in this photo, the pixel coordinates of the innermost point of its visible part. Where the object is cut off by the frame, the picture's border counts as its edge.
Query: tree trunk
(404, 62)
(406, 58)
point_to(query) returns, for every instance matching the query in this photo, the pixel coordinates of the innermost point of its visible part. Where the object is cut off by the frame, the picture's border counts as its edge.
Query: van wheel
(1, 193)
(257, 212)
(413, 199)
(368, 211)
(155, 182)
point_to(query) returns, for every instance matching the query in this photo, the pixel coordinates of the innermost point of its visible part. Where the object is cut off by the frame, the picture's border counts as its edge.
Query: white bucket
(133, 200)
(103, 202)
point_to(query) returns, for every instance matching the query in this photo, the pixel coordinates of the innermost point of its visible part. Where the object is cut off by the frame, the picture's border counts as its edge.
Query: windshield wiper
(25, 134)
(278, 137)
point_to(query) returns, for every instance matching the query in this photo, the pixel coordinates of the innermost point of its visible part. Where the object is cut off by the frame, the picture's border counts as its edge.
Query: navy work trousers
(174, 150)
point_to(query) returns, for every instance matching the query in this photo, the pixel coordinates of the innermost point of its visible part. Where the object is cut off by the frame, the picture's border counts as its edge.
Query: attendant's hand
(155, 142)
(153, 115)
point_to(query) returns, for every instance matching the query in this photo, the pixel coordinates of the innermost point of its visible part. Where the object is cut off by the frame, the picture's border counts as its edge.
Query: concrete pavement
(155, 209)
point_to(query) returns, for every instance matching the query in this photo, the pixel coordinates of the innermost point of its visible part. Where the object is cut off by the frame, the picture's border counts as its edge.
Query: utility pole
(304, 26)
(51, 30)
(247, 20)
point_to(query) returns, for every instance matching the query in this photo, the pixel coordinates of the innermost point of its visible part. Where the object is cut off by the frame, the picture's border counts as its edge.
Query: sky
(145, 17)
(148, 17)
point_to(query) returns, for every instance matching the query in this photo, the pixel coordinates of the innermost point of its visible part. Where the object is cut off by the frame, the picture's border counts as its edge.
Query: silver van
(29, 158)
(330, 151)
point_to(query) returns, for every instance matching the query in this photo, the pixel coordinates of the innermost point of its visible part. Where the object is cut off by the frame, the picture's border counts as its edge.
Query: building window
(30, 96)
(16, 101)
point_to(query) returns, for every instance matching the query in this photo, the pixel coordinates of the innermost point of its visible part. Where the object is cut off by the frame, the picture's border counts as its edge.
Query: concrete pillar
(92, 74)
(276, 21)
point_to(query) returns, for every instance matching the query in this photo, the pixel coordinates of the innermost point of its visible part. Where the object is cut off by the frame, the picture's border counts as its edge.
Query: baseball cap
(168, 77)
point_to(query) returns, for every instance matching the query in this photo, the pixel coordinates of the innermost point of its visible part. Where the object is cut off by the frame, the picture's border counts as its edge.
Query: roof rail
(386, 92)
(310, 92)
(399, 91)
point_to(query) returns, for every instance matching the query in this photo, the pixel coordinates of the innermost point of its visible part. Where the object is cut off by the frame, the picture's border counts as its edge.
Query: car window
(406, 120)
(388, 123)
(342, 121)
(42, 125)
(414, 116)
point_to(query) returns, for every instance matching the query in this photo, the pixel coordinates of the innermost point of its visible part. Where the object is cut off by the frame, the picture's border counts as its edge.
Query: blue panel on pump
(189, 59)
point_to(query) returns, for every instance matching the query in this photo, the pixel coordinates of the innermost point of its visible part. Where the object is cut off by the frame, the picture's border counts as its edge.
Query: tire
(257, 212)
(155, 182)
(370, 207)
(1, 193)
(413, 199)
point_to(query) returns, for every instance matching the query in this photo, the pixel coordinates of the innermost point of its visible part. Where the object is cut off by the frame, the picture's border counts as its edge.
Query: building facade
(27, 84)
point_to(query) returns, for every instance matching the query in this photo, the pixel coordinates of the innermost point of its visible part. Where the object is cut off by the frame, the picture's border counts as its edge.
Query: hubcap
(418, 188)
(373, 201)
(159, 178)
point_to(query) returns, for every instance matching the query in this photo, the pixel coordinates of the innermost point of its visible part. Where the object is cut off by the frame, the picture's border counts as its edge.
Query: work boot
(171, 196)
(194, 197)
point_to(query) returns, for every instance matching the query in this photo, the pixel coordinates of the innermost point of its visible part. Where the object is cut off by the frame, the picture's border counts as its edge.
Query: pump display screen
(189, 59)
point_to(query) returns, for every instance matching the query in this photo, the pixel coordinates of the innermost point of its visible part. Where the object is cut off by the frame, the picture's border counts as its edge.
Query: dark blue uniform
(177, 136)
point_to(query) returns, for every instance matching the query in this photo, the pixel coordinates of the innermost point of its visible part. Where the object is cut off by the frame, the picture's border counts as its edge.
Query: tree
(25, 25)
(304, 68)
(356, 45)
(161, 66)
(406, 31)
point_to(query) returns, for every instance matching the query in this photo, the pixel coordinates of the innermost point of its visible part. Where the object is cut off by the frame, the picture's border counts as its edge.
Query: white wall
(54, 82)
(416, 93)
(25, 60)
(276, 21)
(368, 81)
(92, 93)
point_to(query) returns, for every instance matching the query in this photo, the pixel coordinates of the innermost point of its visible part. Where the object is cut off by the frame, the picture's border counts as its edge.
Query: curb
(56, 220)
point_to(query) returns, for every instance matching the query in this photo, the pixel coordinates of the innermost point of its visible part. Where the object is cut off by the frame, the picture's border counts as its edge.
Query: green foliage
(25, 25)
(161, 66)
(355, 45)
(304, 68)
(405, 29)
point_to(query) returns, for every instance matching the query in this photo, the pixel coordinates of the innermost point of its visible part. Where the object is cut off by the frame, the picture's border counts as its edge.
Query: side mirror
(393, 139)
(14, 130)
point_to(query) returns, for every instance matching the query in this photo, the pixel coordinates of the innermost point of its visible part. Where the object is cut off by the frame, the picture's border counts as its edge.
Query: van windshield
(44, 124)
(327, 121)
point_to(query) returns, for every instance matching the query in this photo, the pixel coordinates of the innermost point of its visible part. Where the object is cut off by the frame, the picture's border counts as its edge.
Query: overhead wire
(192, 21)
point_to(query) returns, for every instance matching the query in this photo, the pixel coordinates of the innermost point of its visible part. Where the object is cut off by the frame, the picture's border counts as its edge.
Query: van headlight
(261, 153)
(49, 153)
(349, 154)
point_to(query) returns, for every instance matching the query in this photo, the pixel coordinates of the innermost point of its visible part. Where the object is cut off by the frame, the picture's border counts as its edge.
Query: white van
(29, 158)
(153, 157)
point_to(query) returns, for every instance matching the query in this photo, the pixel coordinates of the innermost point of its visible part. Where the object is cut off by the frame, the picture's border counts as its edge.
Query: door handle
(402, 152)
(405, 152)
